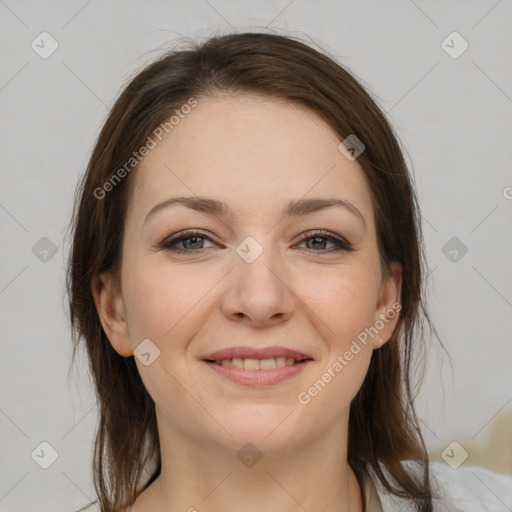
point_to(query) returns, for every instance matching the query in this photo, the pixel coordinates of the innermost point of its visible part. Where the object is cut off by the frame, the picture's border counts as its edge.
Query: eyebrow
(219, 208)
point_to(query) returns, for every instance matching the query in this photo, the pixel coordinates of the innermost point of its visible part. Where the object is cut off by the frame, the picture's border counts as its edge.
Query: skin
(256, 154)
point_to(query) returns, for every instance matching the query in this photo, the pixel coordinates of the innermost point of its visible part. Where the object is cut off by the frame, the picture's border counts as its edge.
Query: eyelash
(170, 243)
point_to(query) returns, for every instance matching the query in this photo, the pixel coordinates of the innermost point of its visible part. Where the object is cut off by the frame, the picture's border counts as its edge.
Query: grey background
(453, 116)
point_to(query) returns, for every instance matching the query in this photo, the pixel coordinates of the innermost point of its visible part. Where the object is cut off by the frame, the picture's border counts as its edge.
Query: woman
(246, 273)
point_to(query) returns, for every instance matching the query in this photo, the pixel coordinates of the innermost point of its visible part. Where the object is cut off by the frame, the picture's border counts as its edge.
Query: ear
(110, 307)
(388, 305)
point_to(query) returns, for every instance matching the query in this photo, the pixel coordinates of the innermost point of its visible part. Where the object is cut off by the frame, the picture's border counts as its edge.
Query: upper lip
(256, 353)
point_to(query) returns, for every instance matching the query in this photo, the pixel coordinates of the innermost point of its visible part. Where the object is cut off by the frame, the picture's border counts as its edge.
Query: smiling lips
(257, 367)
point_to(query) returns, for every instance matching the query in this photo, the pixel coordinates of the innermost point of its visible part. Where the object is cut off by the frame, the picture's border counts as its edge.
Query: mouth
(257, 367)
(252, 364)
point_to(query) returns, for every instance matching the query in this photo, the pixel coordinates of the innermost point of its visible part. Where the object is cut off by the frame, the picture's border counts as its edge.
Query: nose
(259, 292)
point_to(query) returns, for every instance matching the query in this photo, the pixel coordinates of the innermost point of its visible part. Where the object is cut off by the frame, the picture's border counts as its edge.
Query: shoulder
(465, 489)
(473, 488)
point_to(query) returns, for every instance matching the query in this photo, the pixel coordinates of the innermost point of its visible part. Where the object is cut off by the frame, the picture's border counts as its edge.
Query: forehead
(251, 152)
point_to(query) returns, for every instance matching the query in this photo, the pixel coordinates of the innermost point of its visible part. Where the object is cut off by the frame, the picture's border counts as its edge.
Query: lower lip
(257, 378)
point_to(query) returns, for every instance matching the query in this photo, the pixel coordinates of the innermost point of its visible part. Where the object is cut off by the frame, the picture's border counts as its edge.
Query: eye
(321, 238)
(194, 239)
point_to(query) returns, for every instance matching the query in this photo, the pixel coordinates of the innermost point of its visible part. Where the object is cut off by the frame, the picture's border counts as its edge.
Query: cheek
(164, 306)
(161, 303)
(344, 299)
(343, 304)
(345, 308)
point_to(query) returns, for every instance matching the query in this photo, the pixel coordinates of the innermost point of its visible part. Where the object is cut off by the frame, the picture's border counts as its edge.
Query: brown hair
(383, 428)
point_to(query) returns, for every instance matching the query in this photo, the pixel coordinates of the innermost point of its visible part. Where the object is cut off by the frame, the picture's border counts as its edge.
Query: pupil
(191, 239)
(317, 238)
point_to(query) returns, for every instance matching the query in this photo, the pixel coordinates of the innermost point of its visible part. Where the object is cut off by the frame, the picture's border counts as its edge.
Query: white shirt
(465, 489)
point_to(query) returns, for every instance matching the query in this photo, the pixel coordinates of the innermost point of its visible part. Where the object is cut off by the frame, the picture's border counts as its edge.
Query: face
(291, 291)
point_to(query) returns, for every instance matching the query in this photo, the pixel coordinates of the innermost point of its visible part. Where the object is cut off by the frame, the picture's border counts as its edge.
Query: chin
(272, 429)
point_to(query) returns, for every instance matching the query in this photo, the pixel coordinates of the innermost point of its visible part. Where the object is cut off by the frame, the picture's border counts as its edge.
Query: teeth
(237, 362)
(257, 364)
(251, 364)
(267, 364)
